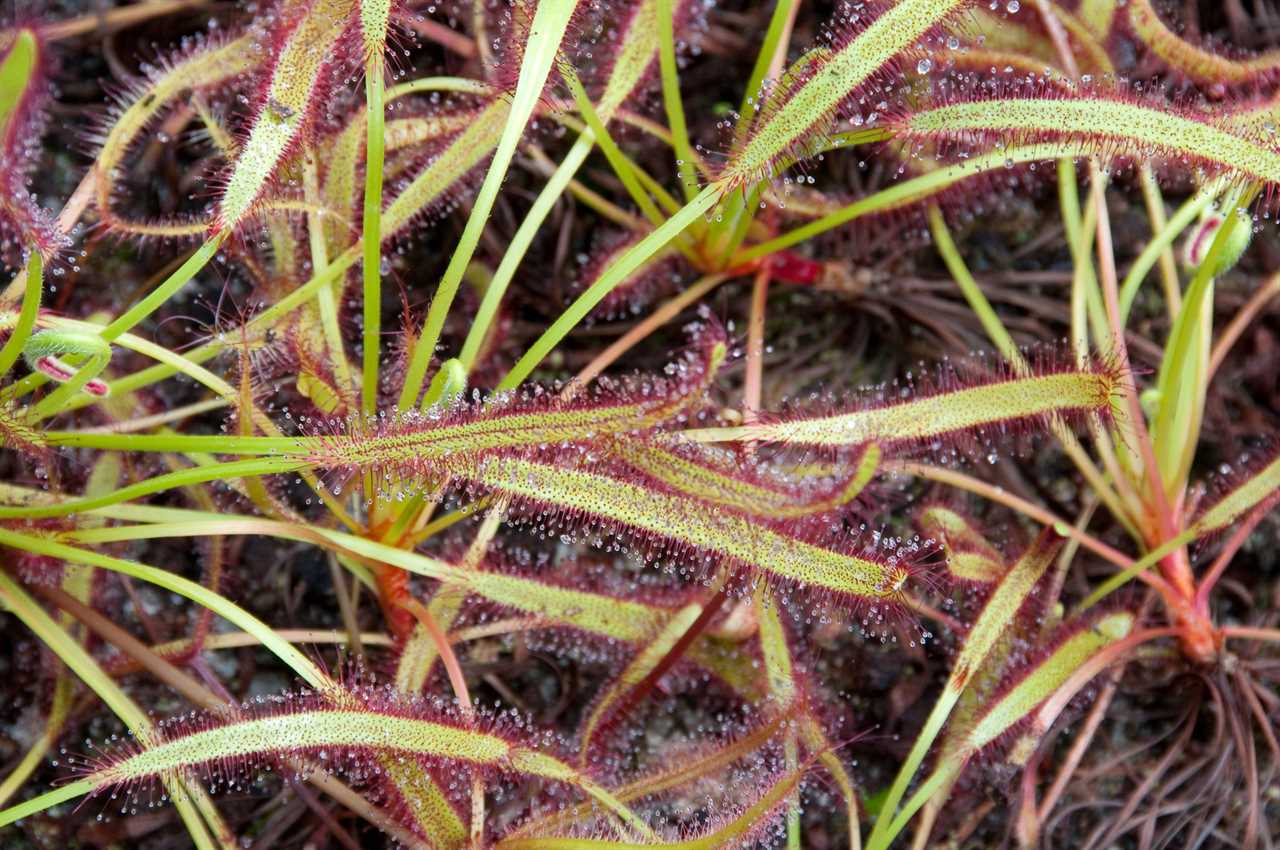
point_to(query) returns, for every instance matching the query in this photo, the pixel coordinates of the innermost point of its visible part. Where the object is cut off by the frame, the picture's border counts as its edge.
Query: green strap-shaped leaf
(723, 481)
(836, 75)
(1078, 642)
(969, 556)
(751, 820)
(209, 66)
(305, 56)
(689, 522)
(1251, 491)
(1037, 396)
(1042, 680)
(362, 729)
(996, 618)
(651, 653)
(1101, 123)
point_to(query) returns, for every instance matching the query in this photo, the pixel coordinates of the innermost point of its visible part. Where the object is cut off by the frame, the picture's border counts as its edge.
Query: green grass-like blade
(618, 272)
(185, 794)
(550, 20)
(997, 616)
(31, 295)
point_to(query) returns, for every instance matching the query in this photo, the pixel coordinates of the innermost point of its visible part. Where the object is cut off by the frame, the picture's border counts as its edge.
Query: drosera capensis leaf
(504, 421)
(311, 47)
(368, 720)
(970, 557)
(1076, 643)
(687, 523)
(653, 651)
(727, 481)
(1246, 493)
(785, 687)
(1107, 122)
(443, 443)
(216, 62)
(832, 76)
(1202, 66)
(753, 819)
(414, 441)
(997, 616)
(952, 411)
(476, 143)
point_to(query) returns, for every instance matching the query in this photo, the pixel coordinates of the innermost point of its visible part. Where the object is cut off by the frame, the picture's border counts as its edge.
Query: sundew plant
(639, 423)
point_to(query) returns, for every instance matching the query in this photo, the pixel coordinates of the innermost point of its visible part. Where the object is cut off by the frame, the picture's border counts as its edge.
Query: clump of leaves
(507, 504)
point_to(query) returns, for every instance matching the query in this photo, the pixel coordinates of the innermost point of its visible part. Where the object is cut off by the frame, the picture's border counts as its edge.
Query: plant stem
(753, 378)
(1251, 633)
(1154, 202)
(996, 494)
(27, 317)
(371, 270)
(134, 648)
(1160, 242)
(519, 245)
(166, 290)
(619, 271)
(671, 101)
(197, 593)
(550, 20)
